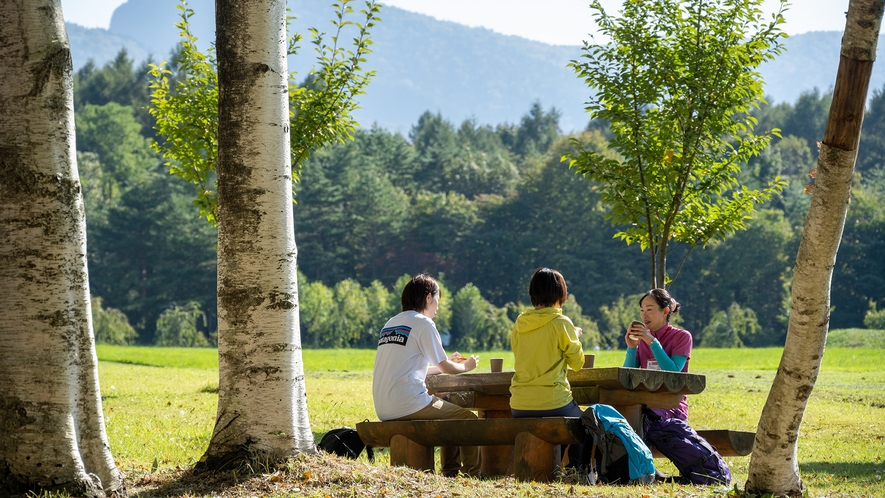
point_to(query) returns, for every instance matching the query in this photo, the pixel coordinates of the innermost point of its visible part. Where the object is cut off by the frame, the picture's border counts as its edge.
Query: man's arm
(452, 367)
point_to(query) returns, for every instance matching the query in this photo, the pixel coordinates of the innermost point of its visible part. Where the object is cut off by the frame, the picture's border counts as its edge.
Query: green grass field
(160, 406)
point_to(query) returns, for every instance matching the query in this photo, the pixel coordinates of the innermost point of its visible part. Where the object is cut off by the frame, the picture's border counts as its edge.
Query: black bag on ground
(697, 460)
(608, 433)
(346, 442)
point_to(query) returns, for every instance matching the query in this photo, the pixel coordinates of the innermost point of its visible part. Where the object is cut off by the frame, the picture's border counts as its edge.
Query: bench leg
(407, 453)
(496, 460)
(534, 459)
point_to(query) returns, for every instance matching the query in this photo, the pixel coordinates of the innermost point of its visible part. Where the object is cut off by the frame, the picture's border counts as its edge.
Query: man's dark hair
(547, 287)
(416, 291)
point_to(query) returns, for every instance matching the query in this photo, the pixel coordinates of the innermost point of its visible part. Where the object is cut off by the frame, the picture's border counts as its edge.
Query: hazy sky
(562, 22)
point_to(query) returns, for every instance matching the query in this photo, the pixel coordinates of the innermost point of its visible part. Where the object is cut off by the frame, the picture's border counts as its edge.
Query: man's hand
(457, 358)
(471, 362)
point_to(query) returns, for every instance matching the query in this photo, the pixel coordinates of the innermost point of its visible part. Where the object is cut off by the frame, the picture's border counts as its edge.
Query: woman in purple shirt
(657, 345)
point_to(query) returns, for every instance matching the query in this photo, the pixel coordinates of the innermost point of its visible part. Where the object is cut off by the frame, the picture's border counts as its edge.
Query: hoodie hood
(532, 320)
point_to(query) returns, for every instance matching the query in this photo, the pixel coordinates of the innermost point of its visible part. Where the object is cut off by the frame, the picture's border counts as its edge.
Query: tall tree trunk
(52, 433)
(262, 405)
(773, 465)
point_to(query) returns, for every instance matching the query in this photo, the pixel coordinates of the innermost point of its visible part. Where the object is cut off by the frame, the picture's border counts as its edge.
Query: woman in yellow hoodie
(545, 343)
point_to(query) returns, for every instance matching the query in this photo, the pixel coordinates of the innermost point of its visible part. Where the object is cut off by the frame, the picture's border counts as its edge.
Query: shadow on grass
(187, 482)
(323, 475)
(297, 476)
(840, 469)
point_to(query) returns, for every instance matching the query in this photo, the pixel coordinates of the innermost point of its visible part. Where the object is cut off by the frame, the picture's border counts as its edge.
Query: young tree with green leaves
(185, 103)
(676, 82)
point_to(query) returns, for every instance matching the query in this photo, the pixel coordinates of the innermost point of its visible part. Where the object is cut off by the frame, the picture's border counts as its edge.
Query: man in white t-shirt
(409, 349)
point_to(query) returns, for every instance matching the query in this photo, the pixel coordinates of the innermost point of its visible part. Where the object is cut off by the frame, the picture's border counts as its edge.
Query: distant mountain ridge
(426, 64)
(101, 45)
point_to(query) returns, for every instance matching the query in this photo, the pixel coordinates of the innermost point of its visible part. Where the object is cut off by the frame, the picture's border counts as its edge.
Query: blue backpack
(620, 454)
(698, 461)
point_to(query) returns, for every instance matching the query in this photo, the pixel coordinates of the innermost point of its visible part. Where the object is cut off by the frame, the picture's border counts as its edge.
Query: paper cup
(497, 364)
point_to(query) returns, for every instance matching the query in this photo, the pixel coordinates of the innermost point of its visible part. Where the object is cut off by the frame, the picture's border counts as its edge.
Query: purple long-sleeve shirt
(671, 350)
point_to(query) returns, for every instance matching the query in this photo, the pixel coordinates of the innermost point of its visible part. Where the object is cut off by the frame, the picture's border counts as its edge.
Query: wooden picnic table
(626, 389)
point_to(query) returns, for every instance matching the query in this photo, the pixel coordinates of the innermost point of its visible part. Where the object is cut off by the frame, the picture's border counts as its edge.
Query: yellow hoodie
(544, 343)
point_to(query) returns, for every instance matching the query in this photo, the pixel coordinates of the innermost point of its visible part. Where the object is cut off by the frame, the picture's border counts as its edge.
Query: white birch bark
(262, 404)
(52, 433)
(774, 466)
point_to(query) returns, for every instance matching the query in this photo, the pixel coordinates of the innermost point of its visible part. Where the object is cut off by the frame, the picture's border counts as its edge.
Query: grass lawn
(160, 406)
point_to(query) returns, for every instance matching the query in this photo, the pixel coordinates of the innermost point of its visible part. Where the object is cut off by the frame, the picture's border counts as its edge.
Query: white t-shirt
(409, 342)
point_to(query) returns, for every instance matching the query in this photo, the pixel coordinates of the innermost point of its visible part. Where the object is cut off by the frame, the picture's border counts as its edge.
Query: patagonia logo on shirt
(395, 335)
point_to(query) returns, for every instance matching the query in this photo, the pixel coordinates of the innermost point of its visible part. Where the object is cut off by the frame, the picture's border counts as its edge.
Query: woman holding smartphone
(656, 345)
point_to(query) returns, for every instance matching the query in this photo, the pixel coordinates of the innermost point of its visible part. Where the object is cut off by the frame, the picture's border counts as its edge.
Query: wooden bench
(534, 440)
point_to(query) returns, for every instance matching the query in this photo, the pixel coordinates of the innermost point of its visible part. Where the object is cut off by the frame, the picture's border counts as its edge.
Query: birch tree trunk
(262, 405)
(773, 465)
(52, 433)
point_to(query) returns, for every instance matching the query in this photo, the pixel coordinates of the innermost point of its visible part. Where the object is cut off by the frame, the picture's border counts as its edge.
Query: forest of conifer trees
(479, 205)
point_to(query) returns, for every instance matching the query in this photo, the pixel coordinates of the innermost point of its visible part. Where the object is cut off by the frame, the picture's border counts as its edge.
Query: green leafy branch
(185, 105)
(321, 110)
(184, 100)
(676, 83)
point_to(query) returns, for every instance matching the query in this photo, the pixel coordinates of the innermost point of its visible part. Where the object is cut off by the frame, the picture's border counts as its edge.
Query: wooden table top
(608, 378)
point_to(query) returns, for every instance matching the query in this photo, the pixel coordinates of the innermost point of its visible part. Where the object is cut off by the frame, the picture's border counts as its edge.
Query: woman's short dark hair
(547, 287)
(663, 300)
(416, 291)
